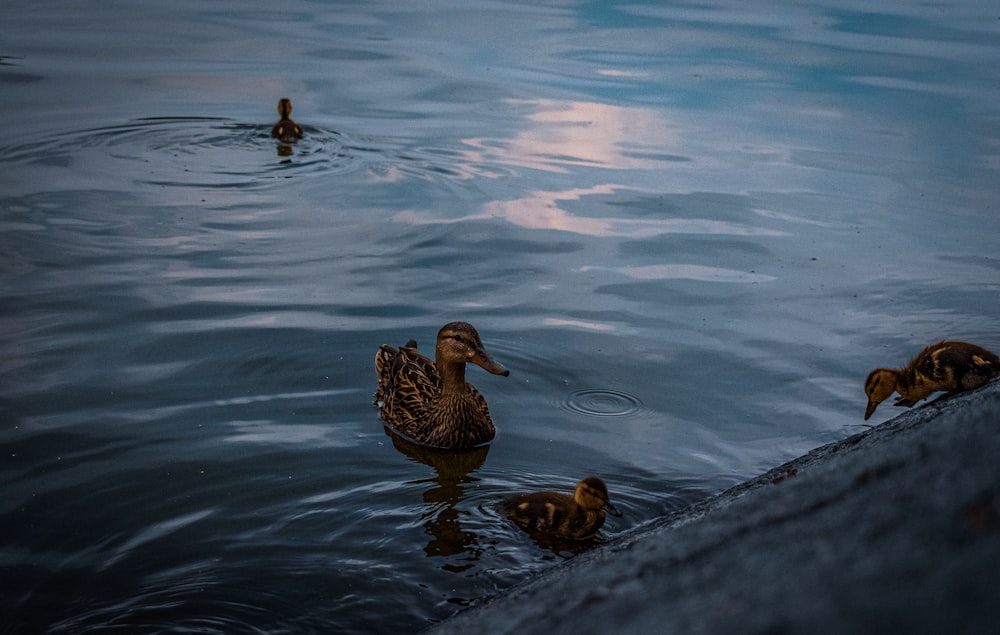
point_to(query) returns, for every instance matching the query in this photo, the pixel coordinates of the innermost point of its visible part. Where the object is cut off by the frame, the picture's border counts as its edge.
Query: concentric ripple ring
(601, 402)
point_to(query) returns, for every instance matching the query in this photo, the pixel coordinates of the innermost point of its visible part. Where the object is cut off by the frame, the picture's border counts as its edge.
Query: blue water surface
(688, 229)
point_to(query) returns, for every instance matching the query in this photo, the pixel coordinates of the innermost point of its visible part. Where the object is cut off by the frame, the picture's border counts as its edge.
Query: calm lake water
(688, 229)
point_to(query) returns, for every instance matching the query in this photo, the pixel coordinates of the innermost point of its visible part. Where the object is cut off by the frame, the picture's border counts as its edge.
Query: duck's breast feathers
(458, 420)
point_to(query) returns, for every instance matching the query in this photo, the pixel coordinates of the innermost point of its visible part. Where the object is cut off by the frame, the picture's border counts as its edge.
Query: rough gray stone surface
(893, 530)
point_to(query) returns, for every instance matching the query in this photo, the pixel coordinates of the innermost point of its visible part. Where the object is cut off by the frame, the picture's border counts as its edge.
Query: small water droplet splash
(601, 402)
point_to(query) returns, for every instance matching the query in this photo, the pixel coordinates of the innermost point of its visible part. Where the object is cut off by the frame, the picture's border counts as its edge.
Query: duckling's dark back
(576, 517)
(286, 130)
(960, 365)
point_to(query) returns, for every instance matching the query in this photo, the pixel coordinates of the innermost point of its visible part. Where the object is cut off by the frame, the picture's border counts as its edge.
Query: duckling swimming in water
(576, 517)
(429, 402)
(286, 130)
(951, 366)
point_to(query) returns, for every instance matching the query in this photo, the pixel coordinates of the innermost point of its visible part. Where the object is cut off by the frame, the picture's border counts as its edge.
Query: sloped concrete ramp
(893, 530)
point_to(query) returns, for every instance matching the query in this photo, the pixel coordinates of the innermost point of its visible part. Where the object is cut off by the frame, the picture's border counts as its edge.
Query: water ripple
(602, 402)
(186, 151)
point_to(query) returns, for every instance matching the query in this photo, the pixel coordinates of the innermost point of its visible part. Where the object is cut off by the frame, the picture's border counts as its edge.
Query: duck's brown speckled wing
(407, 380)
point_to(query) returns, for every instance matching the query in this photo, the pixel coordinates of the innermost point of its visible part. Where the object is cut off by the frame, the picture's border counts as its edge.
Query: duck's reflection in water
(563, 547)
(453, 469)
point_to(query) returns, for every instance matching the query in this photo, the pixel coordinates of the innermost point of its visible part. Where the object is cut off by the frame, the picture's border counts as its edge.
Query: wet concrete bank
(895, 529)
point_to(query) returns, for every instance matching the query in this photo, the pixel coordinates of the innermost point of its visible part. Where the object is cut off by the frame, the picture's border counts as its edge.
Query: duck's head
(458, 342)
(592, 493)
(284, 107)
(880, 384)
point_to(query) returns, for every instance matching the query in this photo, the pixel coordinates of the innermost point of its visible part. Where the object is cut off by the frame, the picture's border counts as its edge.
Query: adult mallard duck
(430, 402)
(576, 517)
(951, 366)
(286, 130)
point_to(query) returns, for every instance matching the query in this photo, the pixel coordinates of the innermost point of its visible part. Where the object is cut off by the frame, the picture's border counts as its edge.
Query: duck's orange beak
(872, 405)
(481, 358)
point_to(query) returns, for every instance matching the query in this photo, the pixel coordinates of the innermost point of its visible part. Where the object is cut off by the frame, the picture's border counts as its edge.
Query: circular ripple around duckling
(602, 402)
(188, 151)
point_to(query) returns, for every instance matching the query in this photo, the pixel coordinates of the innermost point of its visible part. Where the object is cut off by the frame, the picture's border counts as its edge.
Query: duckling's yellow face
(284, 107)
(459, 342)
(592, 493)
(880, 384)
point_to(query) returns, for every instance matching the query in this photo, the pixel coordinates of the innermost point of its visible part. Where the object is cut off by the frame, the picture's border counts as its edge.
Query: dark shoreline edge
(895, 529)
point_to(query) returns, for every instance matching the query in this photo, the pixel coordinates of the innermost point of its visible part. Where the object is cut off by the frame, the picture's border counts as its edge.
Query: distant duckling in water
(286, 130)
(576, 517)
(951, 366)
